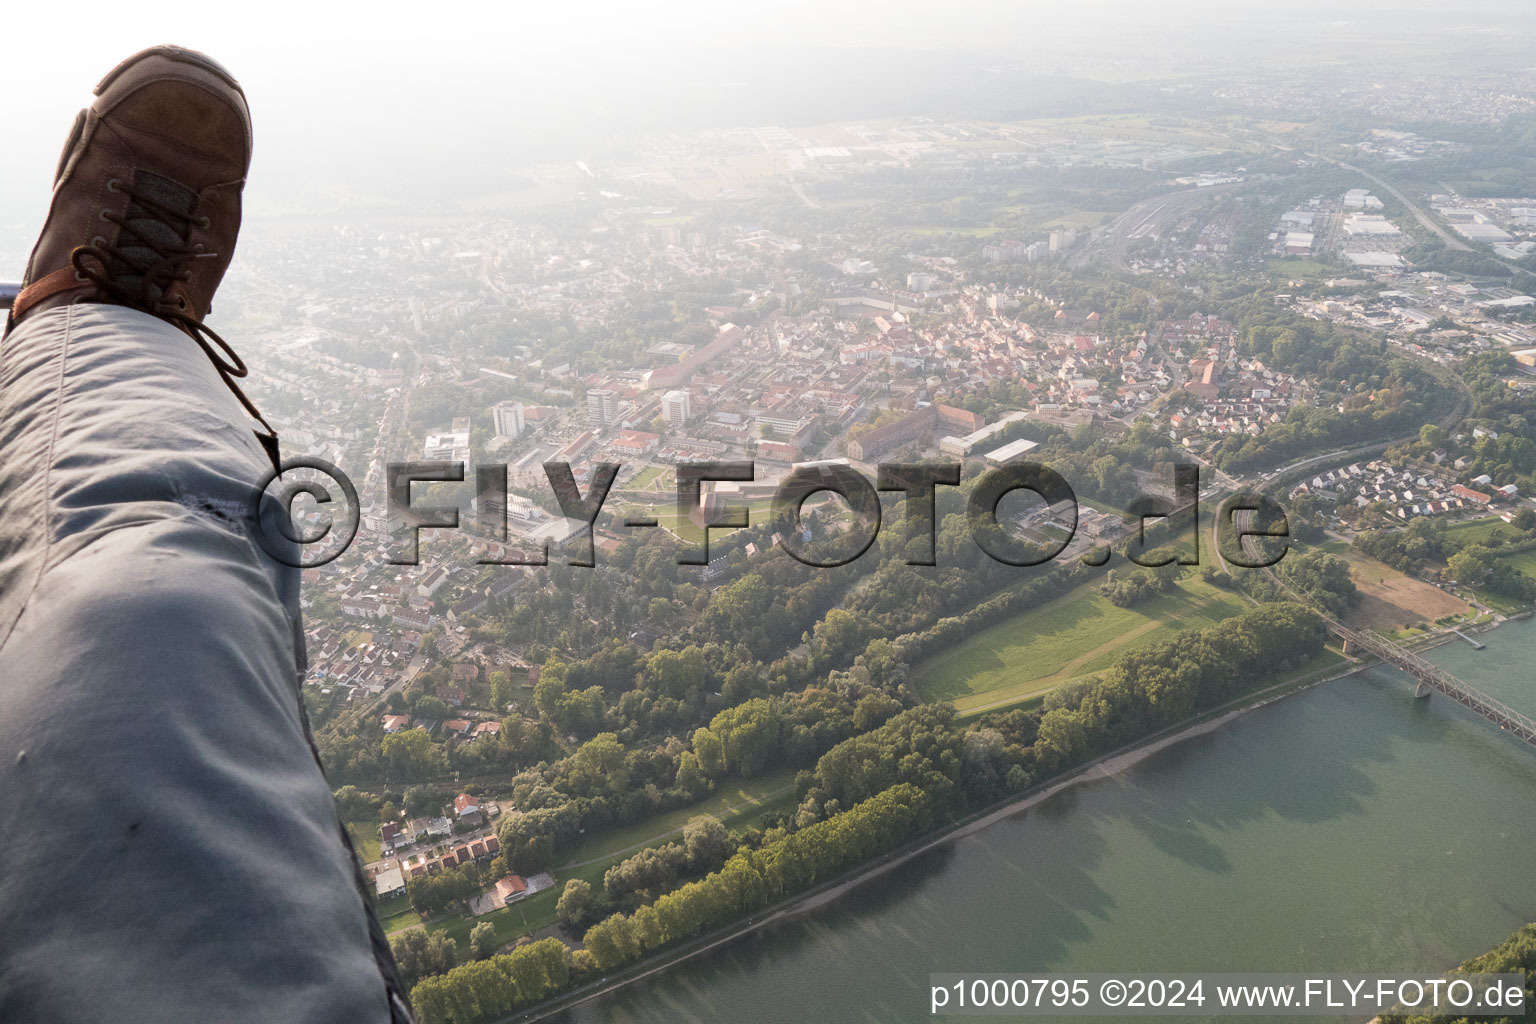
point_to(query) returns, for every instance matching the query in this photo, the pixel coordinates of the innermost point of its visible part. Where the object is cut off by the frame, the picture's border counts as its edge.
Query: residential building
(602, 406)
(508, 417)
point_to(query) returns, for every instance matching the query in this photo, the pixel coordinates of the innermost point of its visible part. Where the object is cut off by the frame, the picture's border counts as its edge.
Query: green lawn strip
(732, 799)
(395, 914)
(1500, 603)
(1077, 634)
(1029, 703)
(365, 838)
(1478, 530)
(645, 478)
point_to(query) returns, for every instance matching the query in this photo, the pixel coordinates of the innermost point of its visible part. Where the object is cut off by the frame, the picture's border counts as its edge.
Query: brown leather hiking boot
(146, 200)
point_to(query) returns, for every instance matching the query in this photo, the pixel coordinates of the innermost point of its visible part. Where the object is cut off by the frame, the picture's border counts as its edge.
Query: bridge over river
(1433, 678)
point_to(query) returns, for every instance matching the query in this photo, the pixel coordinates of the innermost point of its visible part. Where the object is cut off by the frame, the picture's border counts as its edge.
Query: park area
(737, 803)
(1077, 635)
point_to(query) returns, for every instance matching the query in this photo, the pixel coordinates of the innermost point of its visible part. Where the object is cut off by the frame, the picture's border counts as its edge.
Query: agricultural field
(1075, 636)
(1391, 601)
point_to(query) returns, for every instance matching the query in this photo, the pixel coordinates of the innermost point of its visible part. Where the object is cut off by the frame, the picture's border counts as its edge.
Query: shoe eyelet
(80, 277)
(181, 302)
(98, 241)
(113, 184)
(204, 222)
(198, 247)
(104, 216)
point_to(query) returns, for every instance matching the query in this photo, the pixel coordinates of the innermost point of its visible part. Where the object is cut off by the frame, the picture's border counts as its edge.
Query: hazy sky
(382, 96)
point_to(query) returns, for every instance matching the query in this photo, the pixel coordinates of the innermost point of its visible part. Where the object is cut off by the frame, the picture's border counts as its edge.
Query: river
(1347, 827)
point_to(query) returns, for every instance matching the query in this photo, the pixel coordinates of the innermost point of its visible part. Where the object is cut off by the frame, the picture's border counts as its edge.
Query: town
(550, 716)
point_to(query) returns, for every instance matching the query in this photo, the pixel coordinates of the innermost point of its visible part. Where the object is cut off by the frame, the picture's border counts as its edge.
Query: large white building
(451, 445)
(1361, 224)
(676, 408)
(509, 419)
(1011, 452)
(602, 406)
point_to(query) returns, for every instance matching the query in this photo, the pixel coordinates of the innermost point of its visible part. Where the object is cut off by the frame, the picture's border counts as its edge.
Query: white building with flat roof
(1370, 225)
(389, 882)
(1011, 452)
(1479, 232)
(964, 445)
(451, 445)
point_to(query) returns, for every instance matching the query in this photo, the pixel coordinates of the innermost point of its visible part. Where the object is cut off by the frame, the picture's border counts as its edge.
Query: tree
(576, 904)
(690, 777)
(430, 707)
(710, 753)
(408, 753)
(483, 942)
(612, 941)
(550, 687)
(706, 842)
(422, 800)
(502, 691)
(354, 804)
(419, 955)
(1469, 565)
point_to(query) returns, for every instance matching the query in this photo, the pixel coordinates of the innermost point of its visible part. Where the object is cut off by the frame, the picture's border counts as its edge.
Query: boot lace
(146, 283)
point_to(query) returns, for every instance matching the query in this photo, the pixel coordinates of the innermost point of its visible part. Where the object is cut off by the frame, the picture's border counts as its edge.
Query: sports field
(1076, 635)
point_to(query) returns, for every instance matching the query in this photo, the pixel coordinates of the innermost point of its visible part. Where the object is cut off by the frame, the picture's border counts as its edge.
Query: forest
(878, 789)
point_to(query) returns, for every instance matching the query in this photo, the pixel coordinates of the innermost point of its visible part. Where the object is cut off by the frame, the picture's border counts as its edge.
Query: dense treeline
(1509, 457)
(655, 870)
(875, 790)
(1162, 684)
(1425, 542)
(432, 893)
(488, 989)
(1321, 578)
(1411, 549)
(755, 878)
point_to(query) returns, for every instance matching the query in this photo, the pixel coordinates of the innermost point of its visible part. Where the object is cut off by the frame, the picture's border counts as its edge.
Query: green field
(365, 838)
(645, 478)
(1075, 636)
(1478, 531)
(1291, 268)
(732, 800)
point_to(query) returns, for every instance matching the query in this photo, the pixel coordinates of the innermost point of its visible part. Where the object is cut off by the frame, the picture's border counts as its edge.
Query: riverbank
(1280, 841)
(1104, 766)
